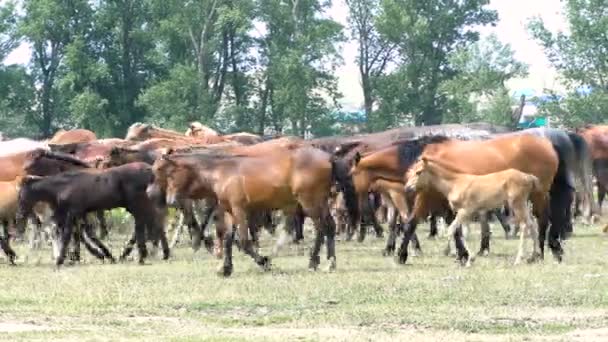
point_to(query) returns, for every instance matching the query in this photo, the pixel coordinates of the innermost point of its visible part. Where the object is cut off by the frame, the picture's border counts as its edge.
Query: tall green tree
(299, 52)
(374, 51)
(207, 42)
(426, 33)
(50, 26)
(580, 57)
(478, 90)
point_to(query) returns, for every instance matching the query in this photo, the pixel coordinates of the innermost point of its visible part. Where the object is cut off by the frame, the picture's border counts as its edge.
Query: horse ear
(357, 158)
(115, 151)
(425, 160)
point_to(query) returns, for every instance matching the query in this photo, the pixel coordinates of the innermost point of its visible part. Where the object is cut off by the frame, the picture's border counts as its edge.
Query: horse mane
(63, 157)
(410, 150)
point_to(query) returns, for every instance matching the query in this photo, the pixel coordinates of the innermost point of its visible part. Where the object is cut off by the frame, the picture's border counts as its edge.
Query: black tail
(562, 191)
(344, 182)
(584, 168)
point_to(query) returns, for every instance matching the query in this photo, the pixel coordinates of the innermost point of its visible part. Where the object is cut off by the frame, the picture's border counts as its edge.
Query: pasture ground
(368, 298)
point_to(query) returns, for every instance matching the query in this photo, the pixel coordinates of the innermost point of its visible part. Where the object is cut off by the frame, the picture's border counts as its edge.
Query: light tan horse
(472, 194)
(142, 131)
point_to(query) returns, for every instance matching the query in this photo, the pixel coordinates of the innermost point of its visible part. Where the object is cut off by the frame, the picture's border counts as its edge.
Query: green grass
(368, 298)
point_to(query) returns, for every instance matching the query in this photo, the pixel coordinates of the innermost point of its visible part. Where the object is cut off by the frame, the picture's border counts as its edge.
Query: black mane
(410, 150)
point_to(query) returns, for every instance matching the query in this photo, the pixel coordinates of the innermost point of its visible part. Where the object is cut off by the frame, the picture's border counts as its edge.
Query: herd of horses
(344, 185)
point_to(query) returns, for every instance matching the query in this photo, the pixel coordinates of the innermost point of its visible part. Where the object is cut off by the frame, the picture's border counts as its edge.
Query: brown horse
(292, 176)
(473, 194)
(72, 136)
(596, 137)
(90, 151)
(523, 152)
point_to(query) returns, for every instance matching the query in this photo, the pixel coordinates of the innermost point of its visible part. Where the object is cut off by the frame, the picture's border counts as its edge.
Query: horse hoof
(402, 259)
(332, 265)
(388, 252)
(314, 263)
(265, 264)
(536, 257)
(483, 252)
(417, 252)
(225, 270)
(112, 260)
(447, 251)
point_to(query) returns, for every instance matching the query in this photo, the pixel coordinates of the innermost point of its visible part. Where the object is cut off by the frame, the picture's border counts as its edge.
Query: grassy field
(368, 298)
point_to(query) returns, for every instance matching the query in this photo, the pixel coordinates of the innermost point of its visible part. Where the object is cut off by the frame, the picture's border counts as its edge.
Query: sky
(511, 29)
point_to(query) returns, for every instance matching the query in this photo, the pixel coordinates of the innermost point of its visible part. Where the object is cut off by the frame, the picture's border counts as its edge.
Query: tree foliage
(580, 56)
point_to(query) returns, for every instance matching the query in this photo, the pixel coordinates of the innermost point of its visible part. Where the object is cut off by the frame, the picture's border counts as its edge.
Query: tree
(478, 90)
(426, 33)
(580, 57)
(50, 25)
(374, 52)
(299, 57)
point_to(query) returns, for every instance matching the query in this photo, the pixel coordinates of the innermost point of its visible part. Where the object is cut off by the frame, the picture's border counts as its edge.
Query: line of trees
(256, 65)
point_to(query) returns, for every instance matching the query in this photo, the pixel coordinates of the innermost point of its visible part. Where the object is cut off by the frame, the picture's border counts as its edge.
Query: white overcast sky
(513, 16)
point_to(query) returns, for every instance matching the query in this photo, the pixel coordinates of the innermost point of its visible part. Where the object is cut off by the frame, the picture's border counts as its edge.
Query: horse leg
(298, 228)
(93, 243)
(5, 244)
(330, 232)
(284, 234)
(77, 238)
(247, 244)
(103, 224)
(503, 222)
(601, 194)
(392, 232)
(179, 228)
(409, 227)
(433, 224)
(521, 215)
(484, 248)
(455, 232)
(65, 224)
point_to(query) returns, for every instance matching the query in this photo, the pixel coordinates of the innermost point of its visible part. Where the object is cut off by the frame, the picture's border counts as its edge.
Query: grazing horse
(72, 136)
(294, 176)
(472, 194)
(524, 152)
(74, 194)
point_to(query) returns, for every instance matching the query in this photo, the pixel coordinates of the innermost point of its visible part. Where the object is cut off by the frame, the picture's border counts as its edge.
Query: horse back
(523, 152)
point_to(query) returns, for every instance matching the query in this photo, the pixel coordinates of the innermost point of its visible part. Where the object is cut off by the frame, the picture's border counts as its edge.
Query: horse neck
(444, 179)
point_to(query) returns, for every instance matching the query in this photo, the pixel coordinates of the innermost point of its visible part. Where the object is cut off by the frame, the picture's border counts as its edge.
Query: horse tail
(585, 168)
(343, 180)
(562, 189)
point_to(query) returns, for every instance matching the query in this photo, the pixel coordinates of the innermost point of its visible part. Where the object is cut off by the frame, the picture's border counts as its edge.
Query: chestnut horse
(300, 175)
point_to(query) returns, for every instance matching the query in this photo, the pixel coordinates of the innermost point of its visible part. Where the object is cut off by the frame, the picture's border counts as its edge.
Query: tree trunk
(368, 101)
